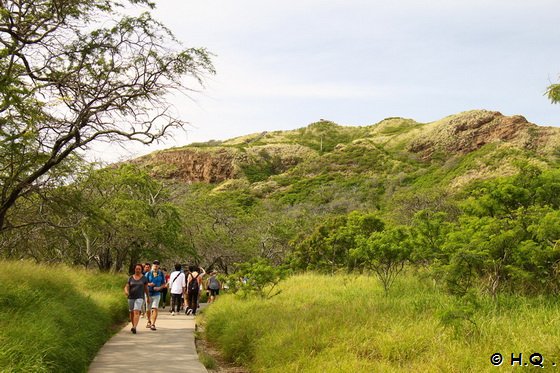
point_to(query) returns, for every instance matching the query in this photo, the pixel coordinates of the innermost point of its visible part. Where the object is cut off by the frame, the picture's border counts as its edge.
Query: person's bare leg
(135, 318)
(154, 316)
(148, 315)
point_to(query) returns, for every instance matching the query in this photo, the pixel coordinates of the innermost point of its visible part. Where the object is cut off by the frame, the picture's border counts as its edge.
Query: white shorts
(135, 304)
(155, 301)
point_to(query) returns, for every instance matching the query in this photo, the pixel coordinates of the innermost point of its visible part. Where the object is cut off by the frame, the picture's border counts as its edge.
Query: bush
(258, 277)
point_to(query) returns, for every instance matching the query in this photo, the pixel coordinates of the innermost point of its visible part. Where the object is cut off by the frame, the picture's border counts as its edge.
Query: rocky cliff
(211, 165)
(219, 163)
(469, 131)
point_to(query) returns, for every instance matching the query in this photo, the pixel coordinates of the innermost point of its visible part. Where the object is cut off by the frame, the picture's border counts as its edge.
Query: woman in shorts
(135, 289)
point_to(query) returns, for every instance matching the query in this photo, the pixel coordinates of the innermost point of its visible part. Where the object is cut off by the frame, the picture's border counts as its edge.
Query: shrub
(258, 277)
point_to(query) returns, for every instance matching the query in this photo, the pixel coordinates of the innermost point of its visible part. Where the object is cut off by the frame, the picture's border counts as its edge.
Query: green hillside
(472, 145)
(369, 167)
(288, 196)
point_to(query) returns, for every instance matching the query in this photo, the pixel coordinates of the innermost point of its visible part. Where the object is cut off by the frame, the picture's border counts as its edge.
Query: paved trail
(168, 349)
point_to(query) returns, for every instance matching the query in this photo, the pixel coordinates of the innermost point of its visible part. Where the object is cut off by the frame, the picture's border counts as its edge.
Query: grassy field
(54, 319)
(346, 324)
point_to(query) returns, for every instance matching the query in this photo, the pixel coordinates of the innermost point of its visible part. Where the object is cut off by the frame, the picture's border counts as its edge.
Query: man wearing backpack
(194, 281)
(156, 282)
(177, 285)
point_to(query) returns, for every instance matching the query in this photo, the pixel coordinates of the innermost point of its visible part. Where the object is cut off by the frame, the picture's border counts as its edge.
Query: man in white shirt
(177, 285)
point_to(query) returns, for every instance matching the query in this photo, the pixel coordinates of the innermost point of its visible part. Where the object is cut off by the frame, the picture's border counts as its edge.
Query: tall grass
(55, 319)
(346, 324)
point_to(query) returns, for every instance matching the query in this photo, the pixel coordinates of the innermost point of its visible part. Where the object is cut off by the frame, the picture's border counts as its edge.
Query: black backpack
(193, 284)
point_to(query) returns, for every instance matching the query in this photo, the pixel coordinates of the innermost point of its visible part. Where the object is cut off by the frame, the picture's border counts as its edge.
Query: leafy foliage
(112, 218)
(385, 253)
(324, 135)
(553, 93)
(257, 277)
(263, 168)
(75, 72)
(506, 239)
(328, 247)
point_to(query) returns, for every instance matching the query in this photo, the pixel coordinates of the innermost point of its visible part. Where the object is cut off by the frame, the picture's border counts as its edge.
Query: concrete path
(170, 348)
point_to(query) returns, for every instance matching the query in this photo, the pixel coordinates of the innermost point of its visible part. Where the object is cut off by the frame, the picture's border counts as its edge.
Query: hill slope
(390, 155)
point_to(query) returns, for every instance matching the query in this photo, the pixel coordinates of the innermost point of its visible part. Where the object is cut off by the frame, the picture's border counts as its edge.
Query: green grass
(346, 324)
(208, 361)
(324, 136)
(55, 318)
(490, 159)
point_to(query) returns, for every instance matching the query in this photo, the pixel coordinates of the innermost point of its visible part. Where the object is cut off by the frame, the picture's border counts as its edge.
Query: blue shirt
(158, 280)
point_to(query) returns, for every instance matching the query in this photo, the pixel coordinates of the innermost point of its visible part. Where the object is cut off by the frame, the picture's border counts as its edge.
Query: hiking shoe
(153, 327)
(133, 330)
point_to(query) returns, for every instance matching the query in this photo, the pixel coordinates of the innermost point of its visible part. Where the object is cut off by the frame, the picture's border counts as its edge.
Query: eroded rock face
(192, 165)
(217, 164)
(469, 131)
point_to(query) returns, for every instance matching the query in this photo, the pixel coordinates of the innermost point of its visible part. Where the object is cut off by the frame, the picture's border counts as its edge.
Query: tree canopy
(73, 72)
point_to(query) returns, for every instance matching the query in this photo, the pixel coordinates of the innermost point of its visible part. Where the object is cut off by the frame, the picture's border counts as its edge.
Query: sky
(285, 64)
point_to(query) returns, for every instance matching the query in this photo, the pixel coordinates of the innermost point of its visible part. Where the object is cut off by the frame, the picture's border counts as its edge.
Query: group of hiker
(146, 286)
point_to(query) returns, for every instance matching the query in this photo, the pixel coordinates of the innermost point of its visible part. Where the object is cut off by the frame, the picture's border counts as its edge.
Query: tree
(428, 235)
(73, 72)
(481, 252)
(313, 252)
(112, 217)
(220, 226)
(130, 218)
(385, 253)
(257, 277)
(328, 247)
(508, 237)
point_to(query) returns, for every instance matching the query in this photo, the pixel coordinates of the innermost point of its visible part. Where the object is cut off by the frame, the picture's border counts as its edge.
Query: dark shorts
(214, 292)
